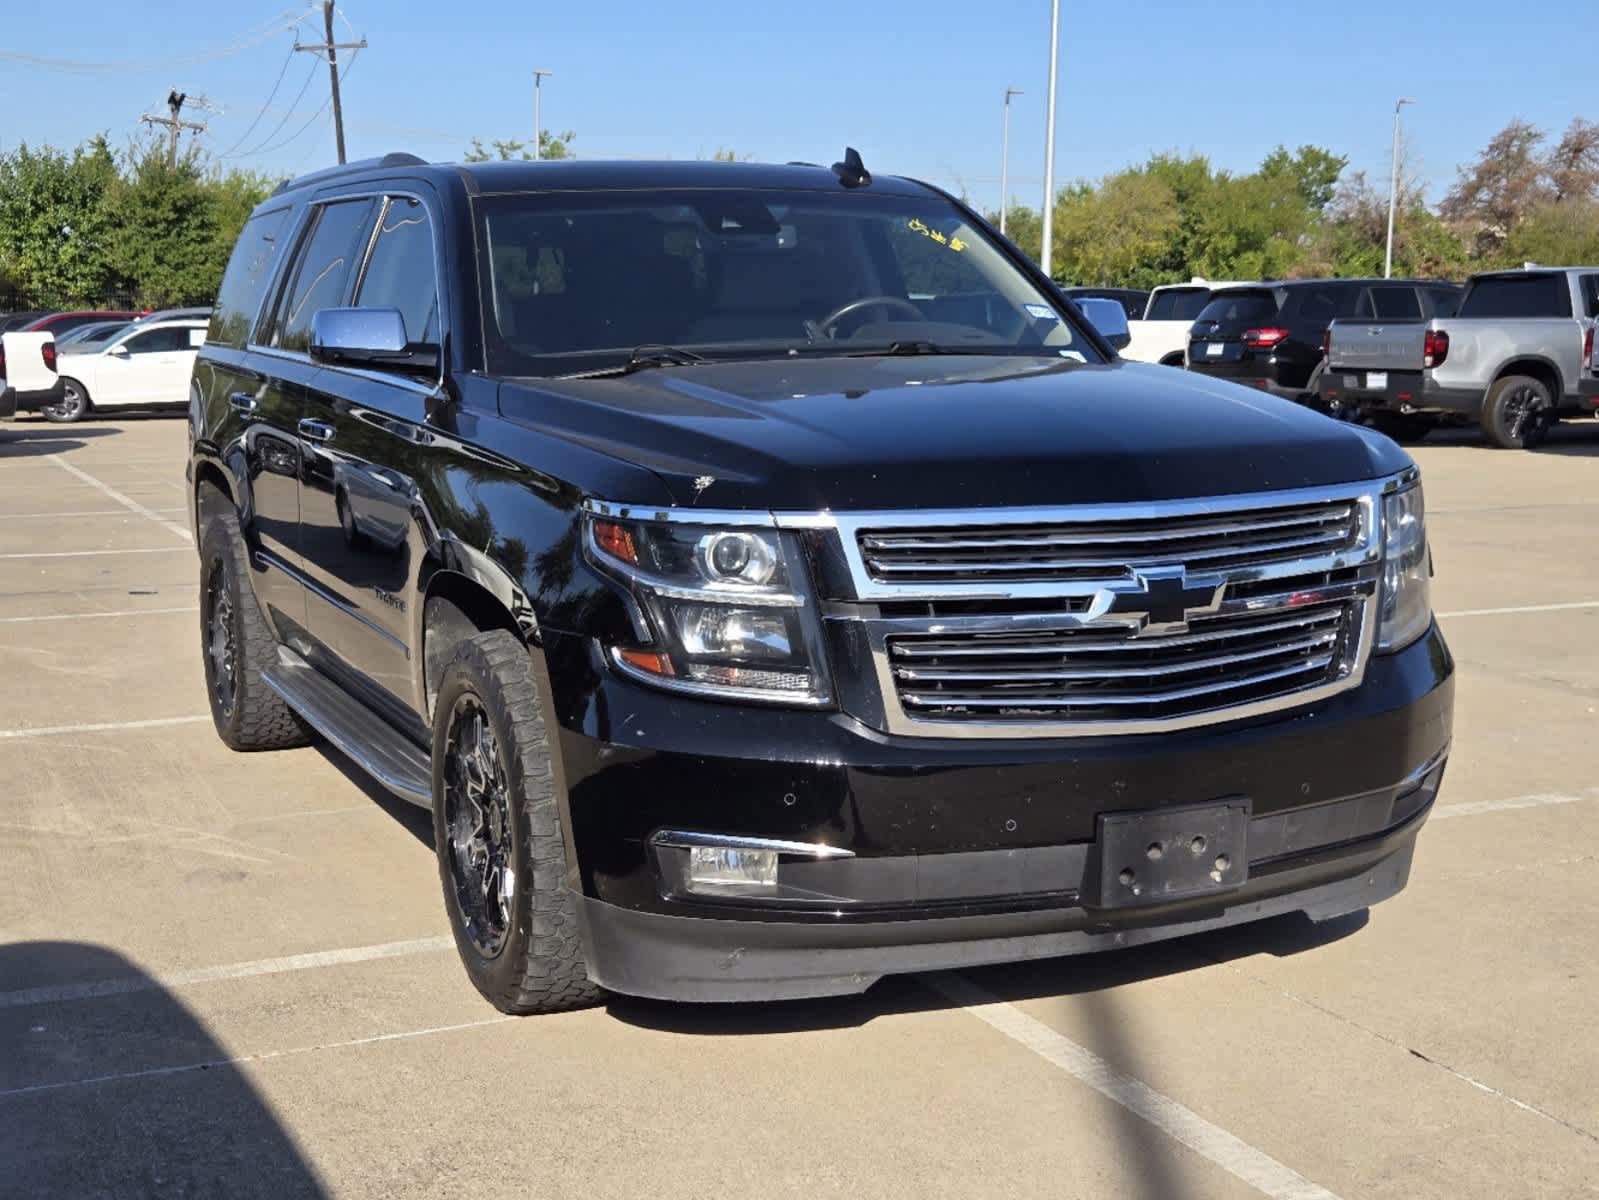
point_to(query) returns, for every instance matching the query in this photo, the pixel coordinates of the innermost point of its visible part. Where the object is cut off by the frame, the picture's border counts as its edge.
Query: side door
(273, 397)
(131, 369)
(362, 524)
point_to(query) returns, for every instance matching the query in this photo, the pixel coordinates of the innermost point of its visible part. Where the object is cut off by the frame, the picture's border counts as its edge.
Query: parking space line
(1523, 608)
(92, 512)
(1230, 1153)
(125, 612)
(122, 985)
(103, 727)
(264, 1056)
(1537, 800)
(92, 553)
(126, 502)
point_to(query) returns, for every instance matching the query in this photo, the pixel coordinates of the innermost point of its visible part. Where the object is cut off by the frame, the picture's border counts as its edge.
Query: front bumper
(960, 847)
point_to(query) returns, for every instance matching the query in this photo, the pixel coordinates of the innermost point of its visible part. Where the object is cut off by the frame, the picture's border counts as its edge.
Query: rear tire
(1517, 412)
(73, 407)
(497, 833)
(235, 641)
(1405, 428)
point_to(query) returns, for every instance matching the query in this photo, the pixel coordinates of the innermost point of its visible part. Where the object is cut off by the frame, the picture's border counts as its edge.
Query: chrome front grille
(1085, 673)
(1095, 548)
(1091, 620)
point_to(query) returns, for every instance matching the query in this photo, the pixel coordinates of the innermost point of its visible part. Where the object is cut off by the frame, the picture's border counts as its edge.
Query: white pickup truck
(27, 372)
(1162, 335)
(1518, 356)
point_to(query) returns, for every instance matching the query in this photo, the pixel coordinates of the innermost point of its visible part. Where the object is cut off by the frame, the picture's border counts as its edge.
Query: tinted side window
(400, 272)
(1590, 294)
(157, 341)
(1395, 303)
(321, 274)
(245, 280)
(1445, 301)
(1518, 296)
(1321, 303)
(1180, 304)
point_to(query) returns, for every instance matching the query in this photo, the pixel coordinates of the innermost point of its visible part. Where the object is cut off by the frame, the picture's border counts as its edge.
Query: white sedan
(147, 365)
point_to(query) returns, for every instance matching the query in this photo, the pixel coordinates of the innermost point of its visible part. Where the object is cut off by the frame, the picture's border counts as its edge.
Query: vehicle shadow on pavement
(87, 1111)
(1568, 439)
(414, 819)
(1085, 975)
(16, 443)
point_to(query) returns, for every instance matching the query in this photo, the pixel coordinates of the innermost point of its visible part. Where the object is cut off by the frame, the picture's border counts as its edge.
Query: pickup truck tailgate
(24, 369)
(1376, 345)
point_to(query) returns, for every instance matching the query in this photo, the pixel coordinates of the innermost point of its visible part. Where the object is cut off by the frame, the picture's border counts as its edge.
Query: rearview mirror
(369, 337)
(1108, 318)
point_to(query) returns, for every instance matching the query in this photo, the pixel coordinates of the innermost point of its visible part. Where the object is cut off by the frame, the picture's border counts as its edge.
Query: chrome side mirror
(374, 338)
(1108, 318)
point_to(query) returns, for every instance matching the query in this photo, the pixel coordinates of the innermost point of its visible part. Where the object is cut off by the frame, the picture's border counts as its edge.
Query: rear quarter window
(1228, 309)
(1178, 304)
(245, 280)
(1512, 296)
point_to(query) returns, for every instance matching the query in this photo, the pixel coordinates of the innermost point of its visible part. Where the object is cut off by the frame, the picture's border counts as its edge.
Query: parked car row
(66, 365)
(1512, 351)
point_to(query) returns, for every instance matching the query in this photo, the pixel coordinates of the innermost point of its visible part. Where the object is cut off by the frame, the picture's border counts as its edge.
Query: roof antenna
(852, 171)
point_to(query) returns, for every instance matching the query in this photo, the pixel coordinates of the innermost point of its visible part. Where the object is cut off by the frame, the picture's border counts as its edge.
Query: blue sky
(915, 85)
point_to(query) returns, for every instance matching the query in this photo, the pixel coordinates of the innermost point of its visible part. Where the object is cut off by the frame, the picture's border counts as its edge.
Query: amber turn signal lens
(647, 660)
(616, 541)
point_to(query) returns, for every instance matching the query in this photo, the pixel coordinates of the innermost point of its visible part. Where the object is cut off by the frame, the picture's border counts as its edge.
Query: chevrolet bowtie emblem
(1167, 598)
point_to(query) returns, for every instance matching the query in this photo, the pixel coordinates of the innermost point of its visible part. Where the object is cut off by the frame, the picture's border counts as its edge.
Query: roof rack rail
(398, 158)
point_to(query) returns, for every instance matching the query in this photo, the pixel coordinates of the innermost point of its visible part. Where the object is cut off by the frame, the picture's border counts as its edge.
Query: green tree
(1311, 170)
(551, 146)
(53, 220)
(1117, 233)
(1491, 195)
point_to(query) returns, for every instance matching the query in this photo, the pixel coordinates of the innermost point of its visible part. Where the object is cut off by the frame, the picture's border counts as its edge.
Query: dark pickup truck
(770, 581)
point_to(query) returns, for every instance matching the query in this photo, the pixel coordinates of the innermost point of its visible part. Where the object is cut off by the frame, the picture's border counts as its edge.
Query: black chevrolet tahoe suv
(770, 582)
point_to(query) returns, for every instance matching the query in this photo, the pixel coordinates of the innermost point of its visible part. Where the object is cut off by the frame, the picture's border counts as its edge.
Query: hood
(946, 432)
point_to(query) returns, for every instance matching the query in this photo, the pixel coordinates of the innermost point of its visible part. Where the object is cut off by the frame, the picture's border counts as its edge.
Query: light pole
(1393, 190)
(1004, 160)
(538, 126)
(1049, 138)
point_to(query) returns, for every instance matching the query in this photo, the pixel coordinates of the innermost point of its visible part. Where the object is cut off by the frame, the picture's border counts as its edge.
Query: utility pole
(1049, 140)
(1004, 161)
(331, 49)
(538, 128)
(1393, 190)
(175, 123)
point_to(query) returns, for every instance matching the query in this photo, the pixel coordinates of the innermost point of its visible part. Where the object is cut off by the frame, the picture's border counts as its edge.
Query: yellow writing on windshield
(917, 225)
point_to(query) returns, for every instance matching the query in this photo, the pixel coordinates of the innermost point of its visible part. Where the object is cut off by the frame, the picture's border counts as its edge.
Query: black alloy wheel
(221, 647)
(478, 823)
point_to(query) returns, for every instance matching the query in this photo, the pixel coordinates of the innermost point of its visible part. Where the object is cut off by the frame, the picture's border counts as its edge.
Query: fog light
(720, 868)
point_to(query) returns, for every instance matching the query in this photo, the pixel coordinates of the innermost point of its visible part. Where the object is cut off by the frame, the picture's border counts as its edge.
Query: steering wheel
(865, 302)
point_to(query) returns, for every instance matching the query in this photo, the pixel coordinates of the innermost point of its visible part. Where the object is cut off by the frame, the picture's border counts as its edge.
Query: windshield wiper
(907, 349)
(644, 357)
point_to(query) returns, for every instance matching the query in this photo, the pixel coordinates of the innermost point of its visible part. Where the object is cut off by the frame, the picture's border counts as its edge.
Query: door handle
(243, 402)
(316, 431)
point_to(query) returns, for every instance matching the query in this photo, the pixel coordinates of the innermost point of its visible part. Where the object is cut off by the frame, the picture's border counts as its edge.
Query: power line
(175, 123)
(284, 120)
(240, 42)
(344, 74)
(265, 104)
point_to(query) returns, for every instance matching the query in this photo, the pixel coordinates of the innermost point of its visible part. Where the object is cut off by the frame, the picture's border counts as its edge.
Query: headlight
(1406, 610)
(724, 610)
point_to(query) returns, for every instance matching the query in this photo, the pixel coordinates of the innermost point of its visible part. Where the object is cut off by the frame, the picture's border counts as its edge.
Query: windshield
(91, 337)
(580, 281)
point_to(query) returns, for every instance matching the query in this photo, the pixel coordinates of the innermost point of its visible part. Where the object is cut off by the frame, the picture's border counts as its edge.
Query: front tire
(1517, 412)
(73, 406)
(235, 641)
(497, 833)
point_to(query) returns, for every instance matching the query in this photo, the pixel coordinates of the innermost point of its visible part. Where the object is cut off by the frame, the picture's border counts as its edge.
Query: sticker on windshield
(1041, 312)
